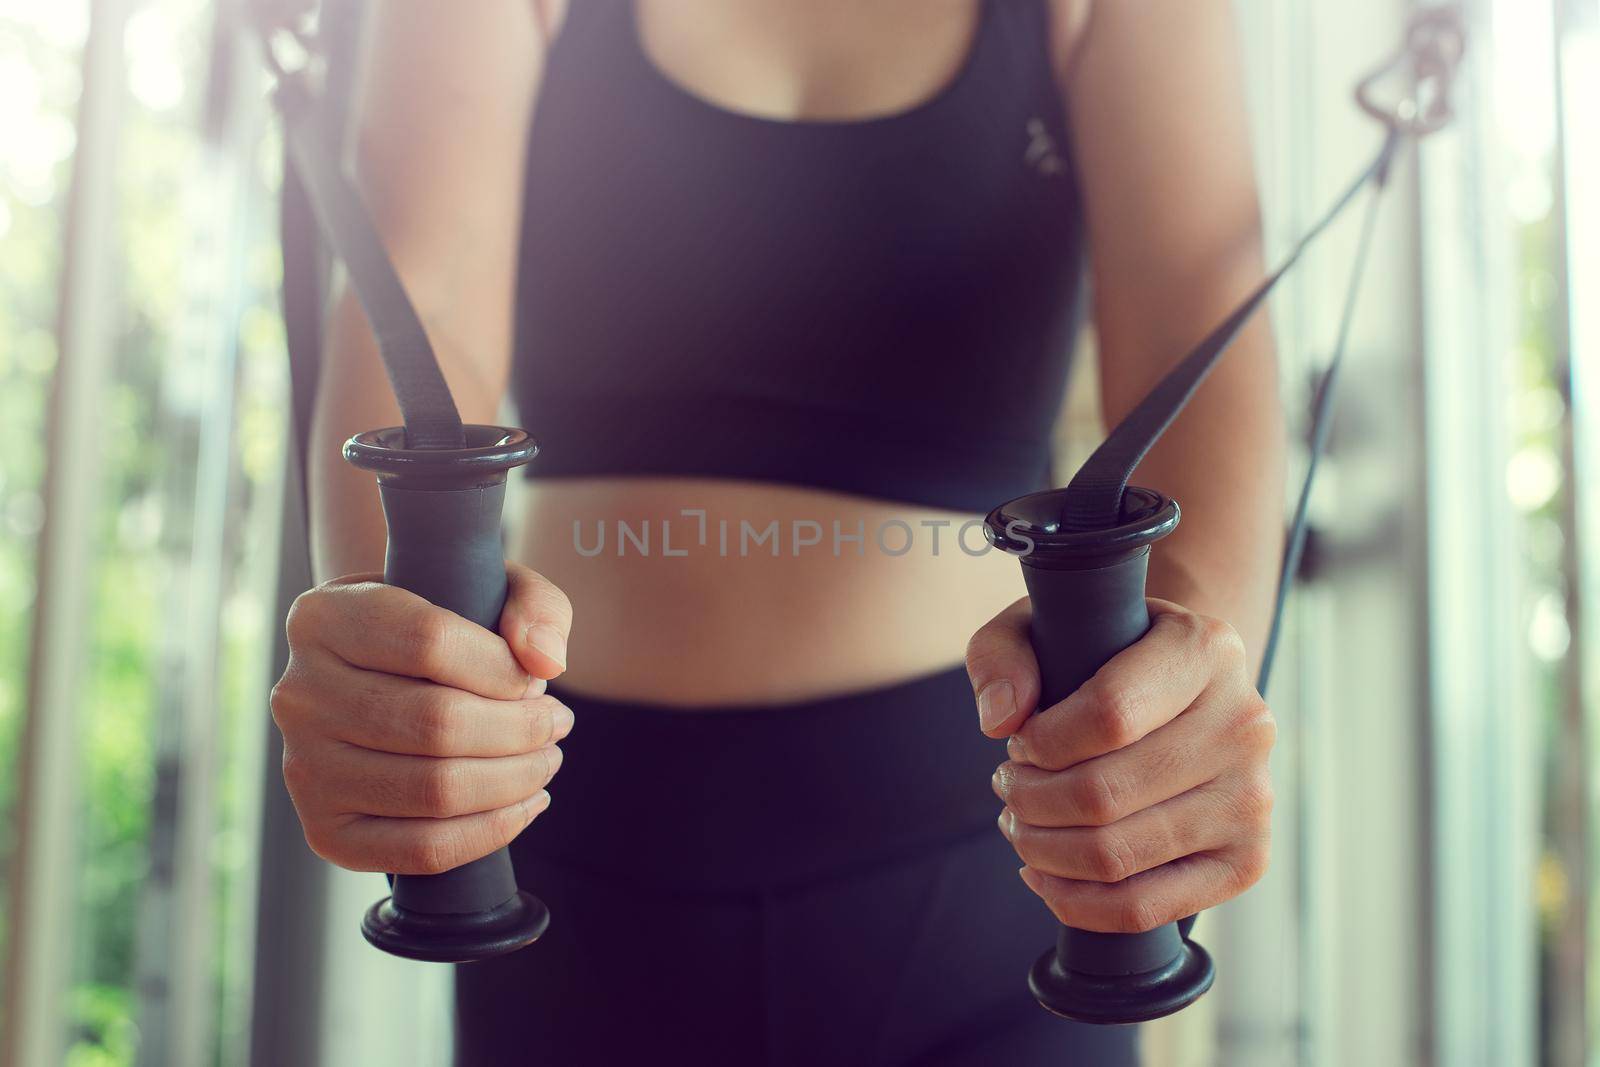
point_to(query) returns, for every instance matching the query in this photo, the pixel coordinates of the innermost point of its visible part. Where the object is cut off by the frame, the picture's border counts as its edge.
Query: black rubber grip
(444, 545)
(1087, 593)
(443, 510)
(1081, 619)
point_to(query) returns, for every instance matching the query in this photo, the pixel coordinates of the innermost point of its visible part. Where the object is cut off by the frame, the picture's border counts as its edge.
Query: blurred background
(1435, 897)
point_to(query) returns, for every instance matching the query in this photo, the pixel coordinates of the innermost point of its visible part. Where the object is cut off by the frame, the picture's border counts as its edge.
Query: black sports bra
(882, 307)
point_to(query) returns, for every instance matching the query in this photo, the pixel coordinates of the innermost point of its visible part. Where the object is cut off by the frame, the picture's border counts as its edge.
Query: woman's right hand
(413, 740)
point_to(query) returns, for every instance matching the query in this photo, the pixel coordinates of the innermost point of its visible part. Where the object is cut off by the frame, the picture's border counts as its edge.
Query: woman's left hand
(1144, 796)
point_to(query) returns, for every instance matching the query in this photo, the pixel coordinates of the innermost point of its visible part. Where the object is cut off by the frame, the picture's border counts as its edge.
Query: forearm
(1222, 458)
(1223, 461)
(1175, 231)
(347, 527)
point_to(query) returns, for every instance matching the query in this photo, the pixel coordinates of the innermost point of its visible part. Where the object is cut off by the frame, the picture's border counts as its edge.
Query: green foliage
(103, 1032)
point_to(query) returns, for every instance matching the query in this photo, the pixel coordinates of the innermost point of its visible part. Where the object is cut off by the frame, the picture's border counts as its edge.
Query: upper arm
(1155, 93)
(443, 108)
(442, 114)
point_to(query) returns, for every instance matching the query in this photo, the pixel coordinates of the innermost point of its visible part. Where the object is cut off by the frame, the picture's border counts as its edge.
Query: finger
(359, 578)
(1198, 821)
(1101, 791)
(359, 781)
(536, 622)
(385, 628)
(1142, 688)
(389, 713)
(425, 846)
(1004, 671)
(1161, 895)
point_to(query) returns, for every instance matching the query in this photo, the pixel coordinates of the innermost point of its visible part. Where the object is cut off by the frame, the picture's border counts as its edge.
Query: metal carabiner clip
(288, 44)
(1436, 40)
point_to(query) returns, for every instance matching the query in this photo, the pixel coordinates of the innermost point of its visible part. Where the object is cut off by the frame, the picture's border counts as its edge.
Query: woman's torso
(792, 275)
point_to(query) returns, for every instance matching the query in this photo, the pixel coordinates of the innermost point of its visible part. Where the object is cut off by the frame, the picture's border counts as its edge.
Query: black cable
(1322, 411)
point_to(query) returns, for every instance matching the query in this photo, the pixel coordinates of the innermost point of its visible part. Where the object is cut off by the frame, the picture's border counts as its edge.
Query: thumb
(1004, 671)
(536, 622)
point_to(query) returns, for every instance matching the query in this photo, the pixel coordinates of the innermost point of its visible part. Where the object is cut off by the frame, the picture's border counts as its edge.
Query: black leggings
(820, 884)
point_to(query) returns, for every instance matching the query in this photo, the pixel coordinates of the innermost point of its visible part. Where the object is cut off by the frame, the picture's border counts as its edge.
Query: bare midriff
(706, 593)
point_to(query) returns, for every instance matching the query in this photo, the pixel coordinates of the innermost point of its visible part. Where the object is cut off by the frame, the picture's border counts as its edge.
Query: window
(142, 752)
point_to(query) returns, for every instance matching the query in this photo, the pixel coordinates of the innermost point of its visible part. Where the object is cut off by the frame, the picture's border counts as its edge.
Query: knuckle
(1095, 797)
(538, 730)
(503, 827)
(550, 764)
(1042, 749)
(1024, 845)
(1047, 743)
(1248, 867)
(983, 664)
(1255, 800)
(1135, 914)
(540, 727)
(1187, 625)
(1023, 806)
(425, 639)
(1114, 715)
(322, 844)
(1061, 909)
(550, 601)
(284, 699)
(441, 788)
(1220, 641)
(1108, 856)
(1014, 790)
(1049, 892)
(437, 720)
(300, 624)
(297, 772)
(996, 649)
(431, 851)
(1255, 722)
(977, 649)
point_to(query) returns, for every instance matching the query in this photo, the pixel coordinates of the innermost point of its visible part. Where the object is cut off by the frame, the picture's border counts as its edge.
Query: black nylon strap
(1094, 496)
(426, 406)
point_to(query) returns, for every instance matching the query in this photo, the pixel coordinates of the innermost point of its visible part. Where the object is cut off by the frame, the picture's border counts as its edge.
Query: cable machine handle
(443, 510)
(1087, 591)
